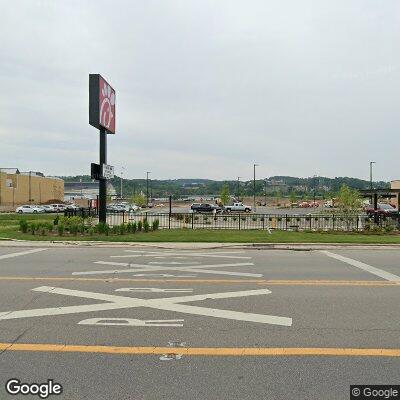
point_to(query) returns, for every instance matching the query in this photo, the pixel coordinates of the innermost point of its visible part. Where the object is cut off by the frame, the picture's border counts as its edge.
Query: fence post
(239, 222)
(286, 222)
(333, 222)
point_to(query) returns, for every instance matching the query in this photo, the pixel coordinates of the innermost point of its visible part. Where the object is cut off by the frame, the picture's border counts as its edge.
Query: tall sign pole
(102, 117)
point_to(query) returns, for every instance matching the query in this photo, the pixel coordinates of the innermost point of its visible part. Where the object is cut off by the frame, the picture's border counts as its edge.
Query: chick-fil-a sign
(101, 103)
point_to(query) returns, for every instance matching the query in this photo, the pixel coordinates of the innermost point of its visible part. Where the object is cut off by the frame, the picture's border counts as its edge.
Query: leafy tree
(139, 200)
(293, 197)
(349, 200)
(225, 195)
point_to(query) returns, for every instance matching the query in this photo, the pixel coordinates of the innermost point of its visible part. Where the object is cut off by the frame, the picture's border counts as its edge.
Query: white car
(48, 209)
(58, 207)
(29, 209)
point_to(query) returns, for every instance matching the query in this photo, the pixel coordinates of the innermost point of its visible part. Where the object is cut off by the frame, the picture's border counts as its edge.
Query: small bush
(254, 219)
(187, 219)
(73, 229)
(139, 226)
(33, 227)
(56, 219)
(146, 225)
(23, 225)
(134, 228)
(156, 224)
(91, 231)
(60, 229)
(115, 230)
(122, 229)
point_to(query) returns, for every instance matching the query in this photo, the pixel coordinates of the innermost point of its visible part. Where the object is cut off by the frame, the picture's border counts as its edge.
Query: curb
(198, 245)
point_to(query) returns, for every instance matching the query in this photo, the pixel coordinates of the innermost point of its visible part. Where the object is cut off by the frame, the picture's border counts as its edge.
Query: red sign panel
(107, 106)
(101, 103)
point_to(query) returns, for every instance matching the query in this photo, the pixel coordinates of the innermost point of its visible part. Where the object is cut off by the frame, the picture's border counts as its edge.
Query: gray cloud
(204, 88)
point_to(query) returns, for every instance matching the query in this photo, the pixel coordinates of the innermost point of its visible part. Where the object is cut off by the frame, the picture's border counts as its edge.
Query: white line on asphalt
(131, 322)
(365, 267)
(221, 254)
(167, 304)
(154, 290)
(173, 262)
(21, 253)
(150, 268)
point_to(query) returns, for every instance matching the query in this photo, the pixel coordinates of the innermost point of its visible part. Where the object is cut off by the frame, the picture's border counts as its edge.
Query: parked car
(237, 207)
(29, 209)
(48, 208)
(383, 209)
(72, 207)
(205, 207)
(58, 207)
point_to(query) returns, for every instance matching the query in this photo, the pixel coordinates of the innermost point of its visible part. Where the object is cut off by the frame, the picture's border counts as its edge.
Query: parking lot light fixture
(254, 186)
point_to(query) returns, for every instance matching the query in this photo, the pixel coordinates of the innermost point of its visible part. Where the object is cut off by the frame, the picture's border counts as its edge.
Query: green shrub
(101, 227)
(73, 229)
(139, 226)
(146, 225)
(60, 229)
(196, 218)
(122, 229)
(134, 227)
(33, 227)
(23, 225)
(254, 219)
(91, 231)
(56, 219)
(115, 230)
(156, 224)
(187, 219)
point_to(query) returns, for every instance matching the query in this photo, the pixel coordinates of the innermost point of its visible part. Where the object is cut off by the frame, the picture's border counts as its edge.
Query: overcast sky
(204, 88)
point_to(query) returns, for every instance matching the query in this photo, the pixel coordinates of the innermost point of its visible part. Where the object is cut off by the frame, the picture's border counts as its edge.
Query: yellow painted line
(208, 281)
(203, 351)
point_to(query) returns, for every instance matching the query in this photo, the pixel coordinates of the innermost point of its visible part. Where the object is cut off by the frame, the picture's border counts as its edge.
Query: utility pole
(238, 187)
(370, 174)
(147, 188)
(254, 186)
(265, 191)
(314, 187)
(122, 172)
(30, 187)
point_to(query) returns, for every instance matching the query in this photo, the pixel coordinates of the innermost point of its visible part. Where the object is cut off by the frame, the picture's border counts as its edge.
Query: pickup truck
(237, 207)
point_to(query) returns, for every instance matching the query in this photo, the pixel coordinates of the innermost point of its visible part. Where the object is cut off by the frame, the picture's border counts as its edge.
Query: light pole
(147, 188)
(314, 188)
(254, 185)
(238, 187)
(265, 191)
(122, 172)
(370, 173)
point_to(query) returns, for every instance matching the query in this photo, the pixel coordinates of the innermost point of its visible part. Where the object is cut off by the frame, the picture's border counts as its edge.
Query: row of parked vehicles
(47, 208)
(214, 208)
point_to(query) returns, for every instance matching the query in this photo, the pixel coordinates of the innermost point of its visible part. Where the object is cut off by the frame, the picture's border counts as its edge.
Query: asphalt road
(205, 324)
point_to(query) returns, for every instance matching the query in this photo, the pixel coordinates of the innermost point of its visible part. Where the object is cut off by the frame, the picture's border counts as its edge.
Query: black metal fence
(310, 222)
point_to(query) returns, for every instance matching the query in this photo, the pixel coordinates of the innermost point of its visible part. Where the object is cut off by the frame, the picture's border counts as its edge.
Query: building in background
(80, 192)
(28, 188)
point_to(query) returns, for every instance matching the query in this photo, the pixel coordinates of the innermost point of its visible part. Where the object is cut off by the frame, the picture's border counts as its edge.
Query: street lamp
(122, 172)
(147, 187)
(370, 173)
(254, 185)
(238, 187)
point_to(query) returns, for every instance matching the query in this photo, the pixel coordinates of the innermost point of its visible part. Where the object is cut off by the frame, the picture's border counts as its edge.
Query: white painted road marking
(21, 253)
(365, 267)
(173, 262)
(131, 322)
(153, 290)
(168, 304)
(220, 254)
(165, 275)
(150, 268)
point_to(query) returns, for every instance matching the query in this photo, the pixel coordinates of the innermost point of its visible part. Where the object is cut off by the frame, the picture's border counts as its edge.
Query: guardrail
(242, 221)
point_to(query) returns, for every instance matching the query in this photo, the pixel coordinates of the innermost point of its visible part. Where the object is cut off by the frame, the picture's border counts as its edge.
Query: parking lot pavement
(218, 324)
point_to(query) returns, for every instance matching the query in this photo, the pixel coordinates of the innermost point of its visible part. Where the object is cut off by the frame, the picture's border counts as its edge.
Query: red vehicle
(382, 209)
